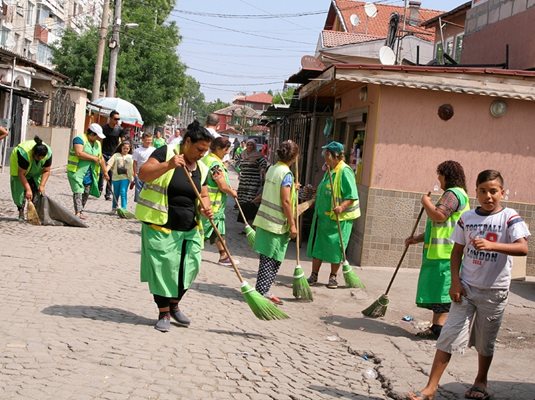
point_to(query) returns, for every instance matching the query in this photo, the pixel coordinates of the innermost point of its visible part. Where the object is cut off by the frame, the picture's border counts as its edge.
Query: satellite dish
(354, 19)
(387, 56)
(370, 10)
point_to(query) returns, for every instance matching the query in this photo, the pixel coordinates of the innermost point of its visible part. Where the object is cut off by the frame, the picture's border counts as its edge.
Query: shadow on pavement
(10, 219)
(246, 335)
(368, 325)
(97, 313)
(497, 389)
(524, 289)
(218, 290)
(328, 392)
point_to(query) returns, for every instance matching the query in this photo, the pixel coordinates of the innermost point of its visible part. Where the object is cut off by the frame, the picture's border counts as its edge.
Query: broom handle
(186, 172)
(241, 211)
(297, 238)
(337, 219)
(406, 248)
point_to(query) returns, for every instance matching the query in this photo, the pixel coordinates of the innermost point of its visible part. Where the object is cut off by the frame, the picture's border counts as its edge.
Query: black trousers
(101, 179)
(163, 302)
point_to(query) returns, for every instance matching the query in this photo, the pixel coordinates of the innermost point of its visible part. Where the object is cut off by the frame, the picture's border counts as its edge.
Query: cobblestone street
(76, 323)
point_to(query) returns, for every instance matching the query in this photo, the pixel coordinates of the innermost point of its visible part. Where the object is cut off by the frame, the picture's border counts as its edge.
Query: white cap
(96, 128)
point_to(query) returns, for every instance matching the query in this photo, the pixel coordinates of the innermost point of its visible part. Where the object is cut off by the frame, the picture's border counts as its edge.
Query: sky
(249, 46)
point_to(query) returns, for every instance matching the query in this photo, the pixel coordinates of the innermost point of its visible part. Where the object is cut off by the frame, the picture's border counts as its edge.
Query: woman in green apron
(218, 189)
(30, 164)
(324, 240)
(435, 279)
(171, 238)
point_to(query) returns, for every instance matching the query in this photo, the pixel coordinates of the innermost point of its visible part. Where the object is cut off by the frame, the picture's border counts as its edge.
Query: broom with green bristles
(249, 231)
(350, 277)
(378, 307)
(261, 307)
(300, 287)
(121, 212)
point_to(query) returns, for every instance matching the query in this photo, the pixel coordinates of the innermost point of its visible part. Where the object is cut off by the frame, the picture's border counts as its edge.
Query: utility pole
(114, 45)
(103, 32)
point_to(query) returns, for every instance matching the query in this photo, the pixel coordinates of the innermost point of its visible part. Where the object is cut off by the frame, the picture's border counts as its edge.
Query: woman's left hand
(42, 190)
(207, 212)
(338, 210)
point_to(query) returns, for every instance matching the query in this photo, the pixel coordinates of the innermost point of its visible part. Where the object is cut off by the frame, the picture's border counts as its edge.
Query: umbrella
(128, 112)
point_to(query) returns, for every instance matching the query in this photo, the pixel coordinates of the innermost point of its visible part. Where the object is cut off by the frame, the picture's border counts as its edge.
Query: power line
(241, 84)
(300, 51)
(236, 76)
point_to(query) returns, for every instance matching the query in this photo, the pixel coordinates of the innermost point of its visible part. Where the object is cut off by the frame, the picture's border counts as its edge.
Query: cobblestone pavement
(76, 323)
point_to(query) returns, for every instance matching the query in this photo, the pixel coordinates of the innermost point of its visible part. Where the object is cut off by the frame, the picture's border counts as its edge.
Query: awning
(27, 93)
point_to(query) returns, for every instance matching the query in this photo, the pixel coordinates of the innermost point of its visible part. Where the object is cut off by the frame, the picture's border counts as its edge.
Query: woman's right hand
(177, 161)
(410, 240)
(293, 231)
(28, 194)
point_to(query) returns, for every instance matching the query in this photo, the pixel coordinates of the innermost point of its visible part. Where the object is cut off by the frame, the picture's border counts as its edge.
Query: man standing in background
(114, 135)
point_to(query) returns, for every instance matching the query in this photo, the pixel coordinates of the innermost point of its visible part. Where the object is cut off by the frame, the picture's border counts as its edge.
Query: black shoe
(163, 324)
(108, 198)
(180, 317)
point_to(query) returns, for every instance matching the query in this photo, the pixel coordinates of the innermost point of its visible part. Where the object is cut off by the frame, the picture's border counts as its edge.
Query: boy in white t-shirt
(485, 239)
(140, 157)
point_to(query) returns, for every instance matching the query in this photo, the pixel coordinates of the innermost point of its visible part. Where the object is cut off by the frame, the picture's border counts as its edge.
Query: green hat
(335, 147)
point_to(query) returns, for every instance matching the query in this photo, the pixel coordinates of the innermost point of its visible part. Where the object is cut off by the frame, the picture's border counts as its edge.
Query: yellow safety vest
(26, 150)
(74, 162)
(270, 215)
(353, 211)
(217, 197)
(152, 205)
(437, 235)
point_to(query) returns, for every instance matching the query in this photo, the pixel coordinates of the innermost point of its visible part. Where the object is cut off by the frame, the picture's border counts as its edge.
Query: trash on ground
(407, 318)
(370, 373)
(333, 338)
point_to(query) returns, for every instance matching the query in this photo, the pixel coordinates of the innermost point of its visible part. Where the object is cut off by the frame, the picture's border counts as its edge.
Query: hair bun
(37, 140)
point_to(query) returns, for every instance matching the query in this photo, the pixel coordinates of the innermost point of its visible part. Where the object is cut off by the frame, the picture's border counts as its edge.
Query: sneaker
(274, 299)
(180, 317)
(226, 262)
(163, 324)
(21, 215)
(333, 283)
(313, 278)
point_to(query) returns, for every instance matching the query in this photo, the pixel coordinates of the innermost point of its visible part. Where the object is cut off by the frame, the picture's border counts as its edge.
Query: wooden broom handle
(186, 172)
(337, 219)
(406, 248)
(241, 211)
(297, 238)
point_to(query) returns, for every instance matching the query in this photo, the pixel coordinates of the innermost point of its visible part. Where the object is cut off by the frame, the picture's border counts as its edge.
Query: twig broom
(32, 216)
(378, 307)
(300, 287)
(261, 307)
(121, 212)
(249, 231)
(351, 279)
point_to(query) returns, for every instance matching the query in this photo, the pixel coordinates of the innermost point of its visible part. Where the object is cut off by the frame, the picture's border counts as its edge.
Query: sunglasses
(117, 119)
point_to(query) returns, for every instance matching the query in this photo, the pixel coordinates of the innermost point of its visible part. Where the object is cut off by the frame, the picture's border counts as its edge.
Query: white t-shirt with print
(141, 155)
(488, 269)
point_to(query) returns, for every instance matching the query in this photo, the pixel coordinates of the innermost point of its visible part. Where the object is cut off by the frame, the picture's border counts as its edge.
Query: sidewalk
(76, 323)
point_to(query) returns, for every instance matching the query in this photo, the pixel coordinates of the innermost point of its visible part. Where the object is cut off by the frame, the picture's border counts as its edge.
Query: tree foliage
(149, 72)
(284, 97)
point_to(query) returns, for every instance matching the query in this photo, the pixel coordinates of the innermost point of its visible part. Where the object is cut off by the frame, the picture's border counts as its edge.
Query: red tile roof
(263, 98)
(336, 38)
(377, 26)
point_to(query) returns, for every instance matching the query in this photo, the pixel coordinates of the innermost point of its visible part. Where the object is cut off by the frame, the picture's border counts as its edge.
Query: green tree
(284, 97)
(149, 72)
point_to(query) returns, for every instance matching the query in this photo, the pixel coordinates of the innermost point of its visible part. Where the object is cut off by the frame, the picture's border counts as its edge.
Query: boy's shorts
(475, 321)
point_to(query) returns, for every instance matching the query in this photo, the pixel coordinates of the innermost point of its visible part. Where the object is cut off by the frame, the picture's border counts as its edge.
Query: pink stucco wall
(411, 140)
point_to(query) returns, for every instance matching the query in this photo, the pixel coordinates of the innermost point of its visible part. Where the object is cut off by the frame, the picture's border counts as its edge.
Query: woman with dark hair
(324, 239)
(435, 279)
(275, 220)
(252, 166)
(30, 164)
(218, 188)
(121, 165)
(171, 240)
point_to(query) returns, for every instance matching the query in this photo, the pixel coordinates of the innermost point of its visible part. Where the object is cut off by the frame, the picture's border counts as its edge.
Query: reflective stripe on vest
(270, 215)
(353, 211)
(152, 205)
(26, 148)
(439, 244)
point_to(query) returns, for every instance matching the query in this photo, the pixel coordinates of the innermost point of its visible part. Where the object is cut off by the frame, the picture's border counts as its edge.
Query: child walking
(122, 166)
(485, 239)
